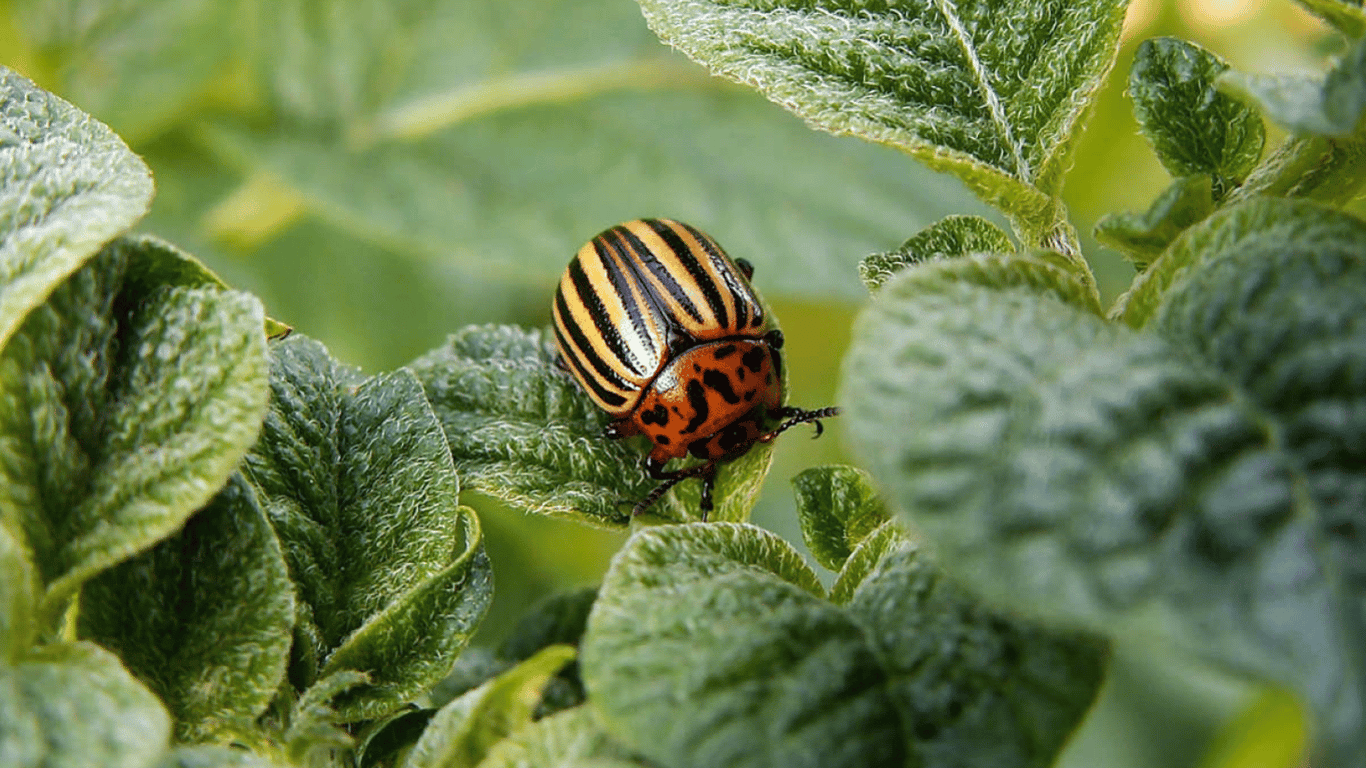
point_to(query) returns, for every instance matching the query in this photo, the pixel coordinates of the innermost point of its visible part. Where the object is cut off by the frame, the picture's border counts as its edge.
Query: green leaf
(122, 411)
(1311, 167)
(1333, 106)
(962, 87)
(951, 237)
(214, 757)
(203, 618)
(838, 508)
(463, 731)
(1140, 237)
(1193, 127)
(878, 544)
(574, 737)
(1347, 15)
(74, 706)
(558, 619)
(710, 644)
(357, 481)
(19, 594)
(521, 430)
(1200, 491)
(68, 185)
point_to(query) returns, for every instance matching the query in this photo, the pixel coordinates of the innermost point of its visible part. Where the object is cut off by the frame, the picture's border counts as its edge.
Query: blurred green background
(382, 172)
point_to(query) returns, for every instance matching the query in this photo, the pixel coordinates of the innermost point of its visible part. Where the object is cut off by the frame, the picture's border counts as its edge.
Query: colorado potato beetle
(664, 332)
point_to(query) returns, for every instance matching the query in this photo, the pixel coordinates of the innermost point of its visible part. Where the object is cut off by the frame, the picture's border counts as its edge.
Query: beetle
(664, 332)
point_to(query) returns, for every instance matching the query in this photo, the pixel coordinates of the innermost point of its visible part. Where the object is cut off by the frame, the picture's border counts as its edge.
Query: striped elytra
(664, 332)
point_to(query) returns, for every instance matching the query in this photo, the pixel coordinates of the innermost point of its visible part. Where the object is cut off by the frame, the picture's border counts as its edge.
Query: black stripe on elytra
(602, 319)
(697, 398)
(622, 277)
(740, 291)
(657, 268)
(688, 258)
(586, 350)
(591, 382)
(718, 381)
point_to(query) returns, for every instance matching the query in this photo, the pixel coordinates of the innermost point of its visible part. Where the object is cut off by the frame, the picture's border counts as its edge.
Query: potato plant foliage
(222, 546)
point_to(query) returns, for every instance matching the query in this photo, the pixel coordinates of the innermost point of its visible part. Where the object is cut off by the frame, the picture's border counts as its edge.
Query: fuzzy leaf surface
(357, 481)
(214, 757)
(462, 732)
(574, 737)
(991, 92)
(68, 184)
(953, 236)
(73, 706)
(1194, 128)
(755, 668)
(838, 508)
(1142, 236)
(1138, 484)
(1332, 106)
(203, 618)
(122, 411)
(523, 431)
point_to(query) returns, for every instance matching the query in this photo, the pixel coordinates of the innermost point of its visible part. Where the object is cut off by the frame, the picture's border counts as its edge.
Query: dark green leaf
(574, 737)
(953, 236)
(991, 92)
(19, 594)
(203, 618)
(355, 476)
(1333, 106)
(463, 731)
(838, 507)
(521, 430)
(1347, 15)
(121, 412)
(559, 618)
(1194, 128)
(1142, 236)
(1203, 490)
(68, 185)
(711, 645)
(74, 706)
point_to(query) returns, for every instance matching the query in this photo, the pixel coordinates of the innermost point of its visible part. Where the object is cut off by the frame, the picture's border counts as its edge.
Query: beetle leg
(656, 470)
(797, 416)
(774, 338)
(746, 268)
(560, 363)
(708, 484)
(620, 429)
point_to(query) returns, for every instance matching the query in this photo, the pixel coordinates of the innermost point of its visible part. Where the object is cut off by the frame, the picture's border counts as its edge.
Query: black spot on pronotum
(739, 373)
(656, 415)
(661, 439)
(754, 359)
(724, 351)
(698, 448)
(697, 398)
(718, 381)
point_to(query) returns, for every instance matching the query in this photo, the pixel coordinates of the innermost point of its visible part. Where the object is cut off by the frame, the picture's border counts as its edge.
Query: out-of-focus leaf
(521, 430)
(1332, 106)
(954, 236)
(122, 410)
(357, 481)
(574, 737)
(203, 618)
(1194, 128)
(1142, 236)
(73, 706)
(710, 644)
(992, 92)
(838, 507)
(214, 757)
(1347, 15)
(68, 184)
(19, 595)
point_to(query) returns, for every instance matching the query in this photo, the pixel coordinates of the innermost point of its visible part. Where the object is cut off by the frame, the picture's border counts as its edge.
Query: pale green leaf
(710, 644)
(1347, 15)
(992, 92)
(838, 508)
(522, 430)
(214, 757)
(1201, 490)
(1194, 128)
(357, 481)
(1332, 106)
(68, 185)
(953, 236)
(1312, 167)
(463, 731)
(571, 739)
(203, 618)
(140, 66)
(879, 543)
(1142, 236)
(122, 410)
(75, 706)
(19, 594)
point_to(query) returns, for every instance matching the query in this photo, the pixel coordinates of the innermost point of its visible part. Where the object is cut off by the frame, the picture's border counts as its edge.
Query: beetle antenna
(801, 417)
